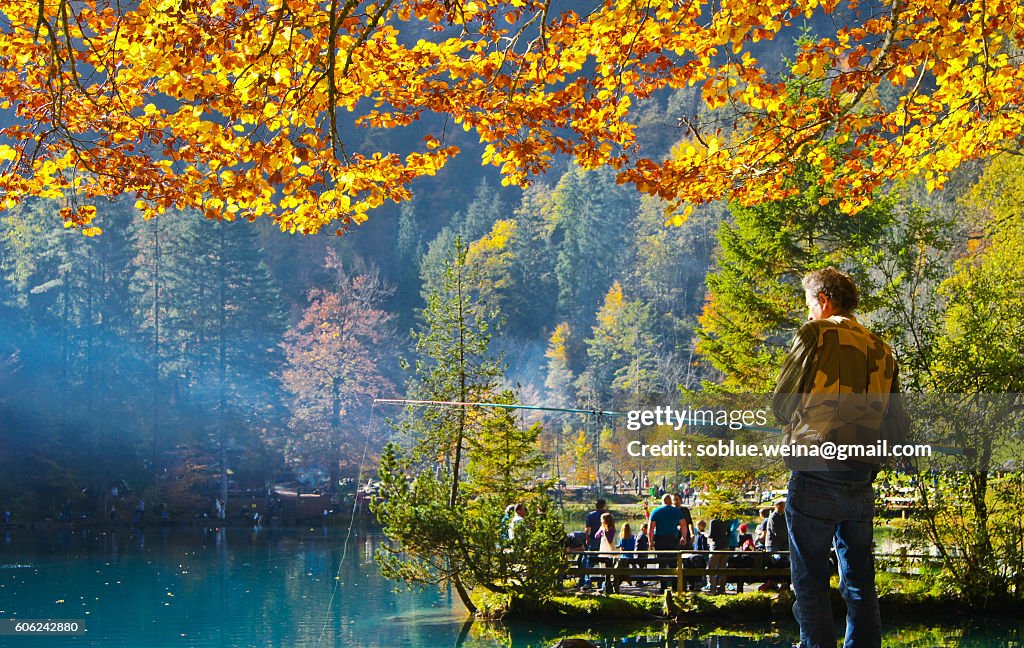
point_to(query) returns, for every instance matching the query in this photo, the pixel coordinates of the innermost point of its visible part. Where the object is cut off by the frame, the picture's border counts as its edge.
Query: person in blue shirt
(734, 534)
(663, 532)
(627, 544)
(592, 526)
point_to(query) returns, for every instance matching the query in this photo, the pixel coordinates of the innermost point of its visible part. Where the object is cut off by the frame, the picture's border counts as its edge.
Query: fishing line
(351, 523)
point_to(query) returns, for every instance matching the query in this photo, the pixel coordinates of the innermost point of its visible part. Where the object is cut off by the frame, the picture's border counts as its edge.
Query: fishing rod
(429, 403)
(940, 449)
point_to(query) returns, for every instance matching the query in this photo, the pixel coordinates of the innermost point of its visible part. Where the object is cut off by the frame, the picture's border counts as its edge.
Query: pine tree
(672, 263)
(152, 243)
(590, 216)
(410, 249)
(244, 325)
(483, 210)
(208, 306)
(533, 288)
(446, 524)
(432, 263)
(754, 301)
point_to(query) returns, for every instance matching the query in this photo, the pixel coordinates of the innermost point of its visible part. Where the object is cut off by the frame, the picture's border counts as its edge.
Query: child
(606, 535)
(628, 542)
(746, 539)
(700, 543)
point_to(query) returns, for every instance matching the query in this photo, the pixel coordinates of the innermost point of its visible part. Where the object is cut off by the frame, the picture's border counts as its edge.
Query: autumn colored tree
(237, 109)
(333, 366)
(491, 260)
(560, 381)
(621, 351)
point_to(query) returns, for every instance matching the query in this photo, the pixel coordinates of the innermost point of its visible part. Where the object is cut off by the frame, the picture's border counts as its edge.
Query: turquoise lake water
(243, 587)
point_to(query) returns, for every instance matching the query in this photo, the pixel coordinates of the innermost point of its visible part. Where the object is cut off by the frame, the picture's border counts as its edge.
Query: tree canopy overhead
(239, 108)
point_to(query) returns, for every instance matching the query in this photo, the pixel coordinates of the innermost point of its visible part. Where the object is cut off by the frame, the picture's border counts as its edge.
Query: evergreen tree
(483, 210)
(67, 318)
(433, 262)
(754, 301)
(446, 524)
(533, 288)
(672, 263)
(590, 216)
(152, 243)
(409, 249)
(209, 307)
(246, 324)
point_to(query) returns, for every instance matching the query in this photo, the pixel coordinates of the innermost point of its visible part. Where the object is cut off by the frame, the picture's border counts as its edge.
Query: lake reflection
(246, 587)
(233, 587)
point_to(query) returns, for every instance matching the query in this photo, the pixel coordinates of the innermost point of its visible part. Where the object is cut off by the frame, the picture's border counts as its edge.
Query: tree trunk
(156, 358)
(457, 460)
(463, 594)
(335, 442)
(222, 361)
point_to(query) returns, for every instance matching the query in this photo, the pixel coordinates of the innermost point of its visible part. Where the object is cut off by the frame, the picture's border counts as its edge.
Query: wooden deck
(646, 566)
(649, 566)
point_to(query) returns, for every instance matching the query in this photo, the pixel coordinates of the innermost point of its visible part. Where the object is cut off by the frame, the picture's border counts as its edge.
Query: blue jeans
(588, 561)
(825, 509)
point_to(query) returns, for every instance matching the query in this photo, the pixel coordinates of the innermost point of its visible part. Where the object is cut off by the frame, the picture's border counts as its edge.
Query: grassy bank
(897, 598)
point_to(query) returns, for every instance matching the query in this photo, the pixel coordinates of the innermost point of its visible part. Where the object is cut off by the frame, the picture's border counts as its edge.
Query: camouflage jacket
(835, 386)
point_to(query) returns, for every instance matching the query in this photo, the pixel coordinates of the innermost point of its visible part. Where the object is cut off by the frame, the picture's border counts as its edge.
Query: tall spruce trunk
(459, 435)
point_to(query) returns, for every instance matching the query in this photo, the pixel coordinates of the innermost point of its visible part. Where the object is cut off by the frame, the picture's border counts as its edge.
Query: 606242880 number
(15, 627)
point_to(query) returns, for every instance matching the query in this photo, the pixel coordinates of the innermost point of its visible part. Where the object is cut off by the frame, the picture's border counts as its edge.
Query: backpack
(701, 543)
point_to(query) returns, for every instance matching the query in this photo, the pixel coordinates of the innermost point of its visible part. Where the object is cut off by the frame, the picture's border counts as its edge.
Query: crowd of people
(670, 527)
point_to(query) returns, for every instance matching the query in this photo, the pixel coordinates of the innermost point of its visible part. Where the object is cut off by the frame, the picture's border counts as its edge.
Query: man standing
(593, 525)
(663, 532)
(686, 528)
(776, 532)
(718, 541)
(834, 389)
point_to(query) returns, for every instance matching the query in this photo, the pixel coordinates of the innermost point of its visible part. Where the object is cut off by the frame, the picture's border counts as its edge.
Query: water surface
(300, 587)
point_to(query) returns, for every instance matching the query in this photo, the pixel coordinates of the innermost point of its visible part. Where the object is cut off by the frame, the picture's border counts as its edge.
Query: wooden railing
(651, 565)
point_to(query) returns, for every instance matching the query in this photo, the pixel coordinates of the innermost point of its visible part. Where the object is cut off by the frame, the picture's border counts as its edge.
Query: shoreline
(697, 607)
